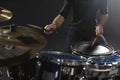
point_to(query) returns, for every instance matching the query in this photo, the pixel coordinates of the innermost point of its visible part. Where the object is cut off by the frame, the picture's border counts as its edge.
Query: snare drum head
(84, 48)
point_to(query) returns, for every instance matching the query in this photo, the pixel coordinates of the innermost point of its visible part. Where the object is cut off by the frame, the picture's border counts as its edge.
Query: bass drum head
(84, 48)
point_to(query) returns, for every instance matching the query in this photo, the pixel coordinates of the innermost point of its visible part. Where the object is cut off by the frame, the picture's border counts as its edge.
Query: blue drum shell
(62, 58)
(106, 60)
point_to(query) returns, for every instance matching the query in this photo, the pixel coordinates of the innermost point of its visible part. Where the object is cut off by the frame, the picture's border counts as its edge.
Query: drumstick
(35, 26)
(91, 46)
(93, 41)
(40, 28)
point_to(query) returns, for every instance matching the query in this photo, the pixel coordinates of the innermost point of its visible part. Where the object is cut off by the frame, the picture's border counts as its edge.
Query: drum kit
(18, 44)
(21, 44)
(101, 63)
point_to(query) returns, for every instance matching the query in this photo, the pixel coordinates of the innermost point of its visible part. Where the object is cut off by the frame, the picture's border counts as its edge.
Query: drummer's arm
(103, 17)
(100, 25)
(59, 19)
(63, 13)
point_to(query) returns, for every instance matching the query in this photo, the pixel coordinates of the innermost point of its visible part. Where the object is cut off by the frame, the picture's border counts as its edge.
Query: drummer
(88, 20)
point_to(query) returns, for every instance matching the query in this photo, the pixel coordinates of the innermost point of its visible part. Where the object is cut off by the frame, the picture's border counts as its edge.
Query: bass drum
(84, 49)
(56, 65)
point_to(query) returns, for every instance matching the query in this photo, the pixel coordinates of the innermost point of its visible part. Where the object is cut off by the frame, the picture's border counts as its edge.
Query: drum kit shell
(100, 60)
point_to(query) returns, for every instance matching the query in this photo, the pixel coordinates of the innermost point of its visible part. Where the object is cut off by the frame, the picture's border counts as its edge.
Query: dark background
(42, 12)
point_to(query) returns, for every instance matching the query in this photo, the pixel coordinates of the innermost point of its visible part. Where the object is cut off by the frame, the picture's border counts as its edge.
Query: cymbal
(20, 45)
(5, 14)
(23, 36)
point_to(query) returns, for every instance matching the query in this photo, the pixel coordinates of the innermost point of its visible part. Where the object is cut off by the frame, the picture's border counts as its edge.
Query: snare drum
(55, 64)
(103, 66)
(84, 49)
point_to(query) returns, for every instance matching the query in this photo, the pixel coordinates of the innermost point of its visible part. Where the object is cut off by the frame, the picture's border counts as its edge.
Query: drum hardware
(5, 14)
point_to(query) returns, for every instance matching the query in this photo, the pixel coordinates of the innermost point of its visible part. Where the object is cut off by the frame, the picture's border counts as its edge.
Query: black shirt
(84, 10)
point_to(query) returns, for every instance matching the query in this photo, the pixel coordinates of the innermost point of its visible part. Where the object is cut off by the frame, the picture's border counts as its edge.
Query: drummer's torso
(85, 9)
(85, 3)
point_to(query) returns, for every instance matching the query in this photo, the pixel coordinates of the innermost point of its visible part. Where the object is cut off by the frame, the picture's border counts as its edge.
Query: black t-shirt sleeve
(103, 7)
(66, 8)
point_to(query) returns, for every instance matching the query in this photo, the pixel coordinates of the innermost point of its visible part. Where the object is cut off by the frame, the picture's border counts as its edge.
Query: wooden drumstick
(35, 26)
(93, 42)
(40, 28)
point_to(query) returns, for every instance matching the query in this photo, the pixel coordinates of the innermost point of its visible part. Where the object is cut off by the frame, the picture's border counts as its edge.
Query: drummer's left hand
(99, 30)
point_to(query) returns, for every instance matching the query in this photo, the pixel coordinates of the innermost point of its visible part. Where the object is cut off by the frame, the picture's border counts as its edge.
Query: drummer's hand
(99, 30)
(49, 29)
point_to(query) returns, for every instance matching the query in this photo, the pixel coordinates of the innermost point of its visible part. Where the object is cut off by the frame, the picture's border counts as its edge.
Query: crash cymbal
(19, 45)
(5, 14)
(21, 36)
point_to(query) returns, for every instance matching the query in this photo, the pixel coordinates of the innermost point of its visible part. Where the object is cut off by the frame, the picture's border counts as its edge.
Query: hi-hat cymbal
(5, 14)
(19, 45)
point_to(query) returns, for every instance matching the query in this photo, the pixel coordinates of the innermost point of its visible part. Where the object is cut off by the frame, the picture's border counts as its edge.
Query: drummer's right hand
(49, 29)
